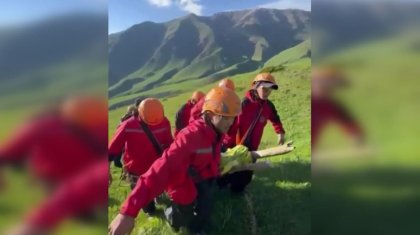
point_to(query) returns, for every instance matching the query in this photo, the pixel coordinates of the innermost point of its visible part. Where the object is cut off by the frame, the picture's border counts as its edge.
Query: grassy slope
(382, 75)
(183, 81)
(281, 195)
(290, 55)
(384, 79)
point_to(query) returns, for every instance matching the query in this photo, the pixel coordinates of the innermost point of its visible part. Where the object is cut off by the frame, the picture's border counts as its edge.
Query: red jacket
(196, 147)
(183, 116)
(196, 110)
(139, 153)
(55, 151)
(325, 111)
(250, 108)
(83, 193)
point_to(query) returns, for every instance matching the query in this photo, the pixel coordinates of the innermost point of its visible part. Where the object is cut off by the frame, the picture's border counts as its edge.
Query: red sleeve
(117, 142)
(275, 119)
(172, 166)
(20, 144)
(83, 193)
(347, 122)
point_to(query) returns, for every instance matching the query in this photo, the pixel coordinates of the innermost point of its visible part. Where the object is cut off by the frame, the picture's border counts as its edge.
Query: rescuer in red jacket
(139, 150)
(249, 127)
(197, 108)
(228, 141)
(186, 170)
(65, 150)
(183, 115)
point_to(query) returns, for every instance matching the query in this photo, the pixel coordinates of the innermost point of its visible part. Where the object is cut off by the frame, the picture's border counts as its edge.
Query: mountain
(51, 41)
(294, 62)
(47, 59)
(150, 55)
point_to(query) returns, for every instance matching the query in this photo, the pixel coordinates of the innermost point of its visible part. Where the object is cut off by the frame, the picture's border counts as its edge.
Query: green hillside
(280, 196)
(150, 55)
(383, 76)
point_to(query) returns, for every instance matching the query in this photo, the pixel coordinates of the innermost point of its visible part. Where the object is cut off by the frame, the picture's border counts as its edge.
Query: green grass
(280, 196)
(186, 80)
(292, 54)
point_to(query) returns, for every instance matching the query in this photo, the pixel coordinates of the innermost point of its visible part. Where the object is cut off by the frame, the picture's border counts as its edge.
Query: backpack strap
(248, 132)
(151, 137)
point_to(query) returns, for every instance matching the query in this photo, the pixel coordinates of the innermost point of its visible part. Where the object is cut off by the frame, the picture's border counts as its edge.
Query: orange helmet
(329, 73)
(85, 111)
(222, 101)
(151, 111)
(266, 78)
(197, 95)
(227, 83)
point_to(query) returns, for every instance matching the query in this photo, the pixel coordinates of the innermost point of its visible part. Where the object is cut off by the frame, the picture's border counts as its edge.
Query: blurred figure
(325, 109)
(377, 193)
(183, 114)
(65, 151)
(48, 52)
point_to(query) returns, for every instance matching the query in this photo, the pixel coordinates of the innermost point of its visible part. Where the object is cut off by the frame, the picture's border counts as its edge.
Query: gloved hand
(238, 155)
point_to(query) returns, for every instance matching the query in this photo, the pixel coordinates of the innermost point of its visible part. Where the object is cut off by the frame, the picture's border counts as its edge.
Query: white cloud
(289, 4)
(192, 6)
(160, 3)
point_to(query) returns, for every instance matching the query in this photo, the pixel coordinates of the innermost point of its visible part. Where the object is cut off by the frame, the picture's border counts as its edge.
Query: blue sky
(125, 13)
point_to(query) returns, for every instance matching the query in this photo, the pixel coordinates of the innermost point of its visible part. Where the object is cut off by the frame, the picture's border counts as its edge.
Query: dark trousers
(237, 181)
(183, 215)
(151, 207)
